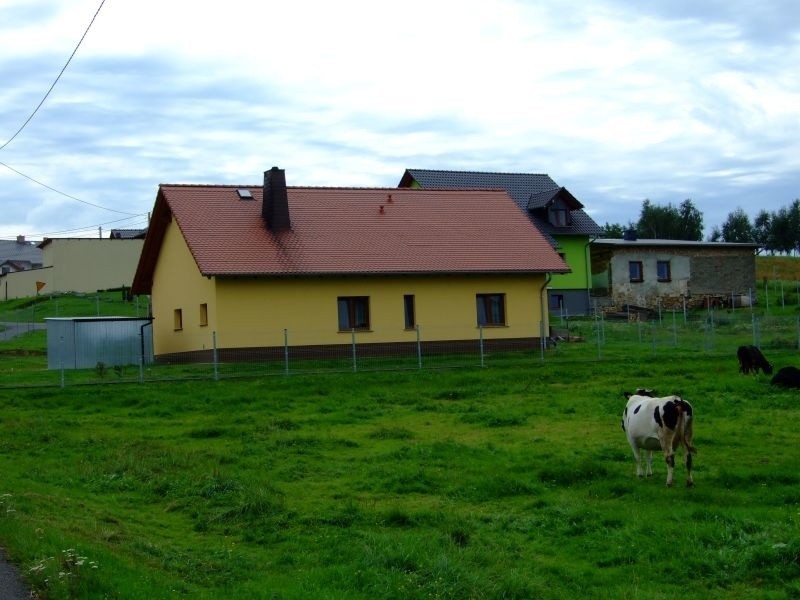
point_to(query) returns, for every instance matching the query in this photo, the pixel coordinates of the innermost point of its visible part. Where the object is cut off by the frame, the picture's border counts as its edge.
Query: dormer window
(559, 217)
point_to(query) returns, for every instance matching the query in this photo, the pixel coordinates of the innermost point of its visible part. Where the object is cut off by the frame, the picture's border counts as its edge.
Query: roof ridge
(478, 172)
(343, 188)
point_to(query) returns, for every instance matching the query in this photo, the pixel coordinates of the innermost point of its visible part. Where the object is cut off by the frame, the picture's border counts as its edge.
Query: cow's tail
(688, 434)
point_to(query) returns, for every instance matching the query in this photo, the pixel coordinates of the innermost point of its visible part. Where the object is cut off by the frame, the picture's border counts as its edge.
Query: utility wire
(143, 225)
(10, 168)
(35, 110)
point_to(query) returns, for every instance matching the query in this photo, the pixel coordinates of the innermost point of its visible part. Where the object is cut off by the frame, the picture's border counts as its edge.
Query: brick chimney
(275, 208)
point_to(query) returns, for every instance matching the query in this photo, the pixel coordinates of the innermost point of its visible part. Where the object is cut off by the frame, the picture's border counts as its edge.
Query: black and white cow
(659, 424)
(787, 377)
(751, 359)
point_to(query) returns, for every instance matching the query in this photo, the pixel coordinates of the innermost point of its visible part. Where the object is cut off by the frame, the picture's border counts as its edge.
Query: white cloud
(616, 101)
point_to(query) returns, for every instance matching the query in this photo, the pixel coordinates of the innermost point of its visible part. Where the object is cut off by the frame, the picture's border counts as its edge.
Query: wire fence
(673, 334)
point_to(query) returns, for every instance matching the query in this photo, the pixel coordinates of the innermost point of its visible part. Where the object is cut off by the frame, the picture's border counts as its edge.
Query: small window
(203, 315)
(491, 309)
(353, 312)
(408, 309)
(663, 271)
(636, 272)
(556, 301)
(178, 317)
(559, 217)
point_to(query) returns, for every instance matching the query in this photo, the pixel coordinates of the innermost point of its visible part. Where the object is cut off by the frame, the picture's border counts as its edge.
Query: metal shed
(83, 342)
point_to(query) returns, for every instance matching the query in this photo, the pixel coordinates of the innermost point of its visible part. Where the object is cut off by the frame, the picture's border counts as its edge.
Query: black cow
(751, 359)
(787, 377)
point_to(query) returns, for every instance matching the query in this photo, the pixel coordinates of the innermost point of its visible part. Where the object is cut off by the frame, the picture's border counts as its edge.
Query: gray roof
(20, 251)
(619, 242)
(128, 234)
(528, 190)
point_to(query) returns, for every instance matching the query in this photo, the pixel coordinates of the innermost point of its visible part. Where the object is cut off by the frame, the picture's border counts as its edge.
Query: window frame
(668, 277)
(358, 320)
(485, 305)
(409, 311)
(640, 267)
(203, 314)
(559, 217)
(177, 319)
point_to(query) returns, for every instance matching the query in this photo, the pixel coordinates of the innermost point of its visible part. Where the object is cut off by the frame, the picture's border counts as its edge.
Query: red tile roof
(349, 231)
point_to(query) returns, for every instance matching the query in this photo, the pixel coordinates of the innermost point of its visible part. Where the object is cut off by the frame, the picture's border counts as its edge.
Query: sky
(618, 101)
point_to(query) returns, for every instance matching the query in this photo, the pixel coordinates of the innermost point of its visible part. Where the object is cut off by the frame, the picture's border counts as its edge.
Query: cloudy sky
(616, 100)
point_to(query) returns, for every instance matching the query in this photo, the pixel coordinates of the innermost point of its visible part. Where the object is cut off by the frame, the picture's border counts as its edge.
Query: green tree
(691, 222)
(615, 230)
(669, 222)
(782, 233)
(737, 228)
(762, 227)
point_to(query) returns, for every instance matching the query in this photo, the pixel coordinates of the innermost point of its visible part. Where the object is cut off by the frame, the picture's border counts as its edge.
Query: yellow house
(250, 266)
(82, 265)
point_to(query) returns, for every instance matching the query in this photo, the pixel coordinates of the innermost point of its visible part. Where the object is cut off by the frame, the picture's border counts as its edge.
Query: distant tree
(762, 226)
(615, 230)
(737, 228)
(794, 223)
(670, 223)
(691, 222)
(716, 235)
(782, 235)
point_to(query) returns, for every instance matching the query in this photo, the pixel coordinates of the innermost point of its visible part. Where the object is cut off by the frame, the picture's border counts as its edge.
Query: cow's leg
(689, 480)
(670, 458)
(638, 458)
(649, 471)
(667, 436)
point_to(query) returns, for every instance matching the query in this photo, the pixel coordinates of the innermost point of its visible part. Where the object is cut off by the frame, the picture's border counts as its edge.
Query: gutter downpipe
(545, 315)
(589, 270)
(141, 339)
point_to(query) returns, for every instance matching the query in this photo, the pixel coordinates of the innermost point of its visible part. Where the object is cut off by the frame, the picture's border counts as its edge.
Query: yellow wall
(254, 312)
(178, 284)
(91, 264)
(22, 284)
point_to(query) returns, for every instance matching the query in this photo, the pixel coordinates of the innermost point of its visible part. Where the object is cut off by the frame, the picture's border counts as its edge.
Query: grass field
(502, 482)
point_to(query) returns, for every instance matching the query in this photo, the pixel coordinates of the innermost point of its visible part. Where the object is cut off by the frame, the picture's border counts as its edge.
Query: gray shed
(82, 342)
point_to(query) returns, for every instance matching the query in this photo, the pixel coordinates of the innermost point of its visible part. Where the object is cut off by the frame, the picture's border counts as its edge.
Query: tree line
(775, 231)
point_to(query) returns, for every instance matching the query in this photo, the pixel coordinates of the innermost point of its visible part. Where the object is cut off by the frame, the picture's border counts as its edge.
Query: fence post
(353, 334)
(61, 359)
(653, 331)
(97, 302)
(214, 355)
(419, 349)
(480, 332)
(599, 337)
(542, 341)
(286, 351)
(141, 355)
(674, 330)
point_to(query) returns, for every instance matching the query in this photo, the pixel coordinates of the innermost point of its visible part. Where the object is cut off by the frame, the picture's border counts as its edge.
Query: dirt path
(11, 585)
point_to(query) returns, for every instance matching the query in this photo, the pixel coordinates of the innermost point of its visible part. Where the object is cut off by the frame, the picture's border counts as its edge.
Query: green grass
(505, 482)
(38, 308)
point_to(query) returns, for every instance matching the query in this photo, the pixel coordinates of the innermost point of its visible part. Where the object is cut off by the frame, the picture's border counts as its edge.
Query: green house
(557, 214)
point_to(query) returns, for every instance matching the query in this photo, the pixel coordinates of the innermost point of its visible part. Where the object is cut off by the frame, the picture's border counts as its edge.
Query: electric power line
(64, 68)
(142, 222)
(10, 168)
